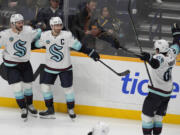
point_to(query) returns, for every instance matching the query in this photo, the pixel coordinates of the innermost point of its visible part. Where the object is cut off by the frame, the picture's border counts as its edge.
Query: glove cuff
(150, 57)
(175, 34)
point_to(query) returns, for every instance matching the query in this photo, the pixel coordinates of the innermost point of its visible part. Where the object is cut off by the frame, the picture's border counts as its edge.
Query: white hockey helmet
(162, 45)
(55, 20)
(100, 129)
(16, 18)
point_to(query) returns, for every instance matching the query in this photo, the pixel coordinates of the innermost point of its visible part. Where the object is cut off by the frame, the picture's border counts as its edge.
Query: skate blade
(33, 115)
(25, 119)
(48, 117)
(73, 119)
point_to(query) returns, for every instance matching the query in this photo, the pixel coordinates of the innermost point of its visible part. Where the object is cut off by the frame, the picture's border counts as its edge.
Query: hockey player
(17, 41)
(58, 63)
(156, 103)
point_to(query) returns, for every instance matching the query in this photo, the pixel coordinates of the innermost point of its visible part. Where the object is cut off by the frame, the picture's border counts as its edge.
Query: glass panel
(104, 25)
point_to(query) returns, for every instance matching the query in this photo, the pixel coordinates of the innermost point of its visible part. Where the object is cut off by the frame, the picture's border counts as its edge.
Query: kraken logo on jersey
(55, 51)
(19, 47)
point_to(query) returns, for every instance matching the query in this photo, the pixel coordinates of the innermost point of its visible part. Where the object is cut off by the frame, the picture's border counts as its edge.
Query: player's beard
(20, 28)
(57, 31)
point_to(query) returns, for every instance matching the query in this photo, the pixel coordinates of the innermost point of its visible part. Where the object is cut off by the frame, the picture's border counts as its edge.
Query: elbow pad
(154, 63)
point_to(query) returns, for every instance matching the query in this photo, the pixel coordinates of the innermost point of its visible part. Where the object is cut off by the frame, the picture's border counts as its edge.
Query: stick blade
(124, 73)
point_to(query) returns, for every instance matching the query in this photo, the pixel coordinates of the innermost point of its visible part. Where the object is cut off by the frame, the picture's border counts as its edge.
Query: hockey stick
(3, 71)
(137, 40)
(131, 52)
(119, 74)
(38, 71)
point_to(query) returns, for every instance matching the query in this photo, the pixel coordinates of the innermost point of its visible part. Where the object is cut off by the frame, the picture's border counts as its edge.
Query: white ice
(11, 124)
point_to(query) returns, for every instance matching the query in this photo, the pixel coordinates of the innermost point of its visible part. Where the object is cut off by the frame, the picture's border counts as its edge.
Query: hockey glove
(94, 55)
(40, 25)
(90, 52)
(176, 33)
(146, 56)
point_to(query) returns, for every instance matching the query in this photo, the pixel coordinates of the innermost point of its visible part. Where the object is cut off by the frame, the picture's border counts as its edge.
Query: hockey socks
(70, 99)
(20, 99)
(48, 98)
(28, 96)
(49, 113)
(147, 128)
(29, 101)
(70, 104)
(157, 128)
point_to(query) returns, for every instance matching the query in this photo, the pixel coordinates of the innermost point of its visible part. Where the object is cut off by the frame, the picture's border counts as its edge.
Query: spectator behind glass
(111, 23)
(97, 32)
(45, 14)
(105, 28)
(42, 3)
(8, 8)
(1, 4)
(29, 9)
(82, 20)
(107, 22)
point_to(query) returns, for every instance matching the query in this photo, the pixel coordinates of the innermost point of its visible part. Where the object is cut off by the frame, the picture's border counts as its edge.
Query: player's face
(157, 51)
(57, 28)
(19, 25)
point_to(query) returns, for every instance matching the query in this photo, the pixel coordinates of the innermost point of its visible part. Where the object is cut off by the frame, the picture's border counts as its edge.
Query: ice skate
(33, 112)
(24, 114)
(72, 114)
(48, 114)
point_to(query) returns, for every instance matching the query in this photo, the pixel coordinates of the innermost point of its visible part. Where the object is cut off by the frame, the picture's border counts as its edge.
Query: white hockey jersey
(58, 49)
(162, 76)
(17, 46)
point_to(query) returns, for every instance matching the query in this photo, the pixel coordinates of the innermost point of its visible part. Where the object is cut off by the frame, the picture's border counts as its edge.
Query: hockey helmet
(55, 20)
(162, 45)
(16, 18)
(100, 129)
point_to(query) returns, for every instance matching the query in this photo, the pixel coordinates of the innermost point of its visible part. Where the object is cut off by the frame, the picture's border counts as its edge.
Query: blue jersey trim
(176, 47)
(159, 93)
(147, 125)
(37, 44)
(9, 65)
(77, 45)
(51, 72)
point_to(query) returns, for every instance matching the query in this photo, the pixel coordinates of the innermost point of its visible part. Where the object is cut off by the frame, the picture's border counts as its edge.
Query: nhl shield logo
(47, 42)
(11, 39)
